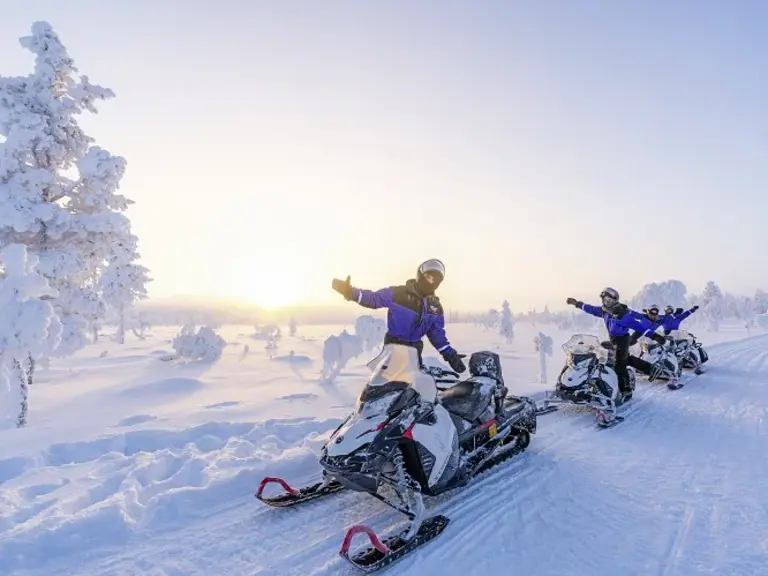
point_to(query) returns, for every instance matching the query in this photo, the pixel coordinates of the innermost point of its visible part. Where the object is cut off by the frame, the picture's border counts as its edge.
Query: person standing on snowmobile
(673, 318)
(619, 320)
(414, 311)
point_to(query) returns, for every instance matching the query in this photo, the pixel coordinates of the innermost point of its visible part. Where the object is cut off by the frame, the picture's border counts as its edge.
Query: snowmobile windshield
(396, 363)
(390, 386)
(681, 335)
(582, 348)
(379, 400)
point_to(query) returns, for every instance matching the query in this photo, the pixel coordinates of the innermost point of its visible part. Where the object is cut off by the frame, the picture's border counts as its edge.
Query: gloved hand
(658, 338)
(455, 361)
(678, 311)
(694, 308)
(573, 302)
(343, 287)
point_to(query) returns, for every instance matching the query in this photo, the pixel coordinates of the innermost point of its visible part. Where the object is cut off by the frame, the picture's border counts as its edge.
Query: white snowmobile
(666, 366)
(689, 352)
(588, 379)
(406, 439)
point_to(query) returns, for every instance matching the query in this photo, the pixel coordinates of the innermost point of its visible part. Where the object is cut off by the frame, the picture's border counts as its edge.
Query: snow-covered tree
(712, 305)
(669, 292)
(57, 191)
(123, 283)
(507, 324)
(760, 302)
(203, 345)
(29, 327)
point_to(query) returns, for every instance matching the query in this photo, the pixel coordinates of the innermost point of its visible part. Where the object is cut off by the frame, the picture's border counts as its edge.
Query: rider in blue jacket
(619, 321)
(414, 311)
(673, 318)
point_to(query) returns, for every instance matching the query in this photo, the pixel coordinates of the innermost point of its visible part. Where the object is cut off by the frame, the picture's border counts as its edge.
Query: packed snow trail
(677, 489)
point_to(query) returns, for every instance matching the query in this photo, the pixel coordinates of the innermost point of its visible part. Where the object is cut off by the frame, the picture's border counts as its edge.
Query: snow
(134, 466)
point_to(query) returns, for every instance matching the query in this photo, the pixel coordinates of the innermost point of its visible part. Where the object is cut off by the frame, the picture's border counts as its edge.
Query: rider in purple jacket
(673, 318)
(414, 311)
(619, 321)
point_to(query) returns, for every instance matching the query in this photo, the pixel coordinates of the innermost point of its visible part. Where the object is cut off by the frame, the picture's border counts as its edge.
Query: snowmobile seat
(487, 364)
(470, 398)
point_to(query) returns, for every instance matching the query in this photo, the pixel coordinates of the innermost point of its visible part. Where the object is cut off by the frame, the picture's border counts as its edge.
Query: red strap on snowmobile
(283, 483)
(360, 529)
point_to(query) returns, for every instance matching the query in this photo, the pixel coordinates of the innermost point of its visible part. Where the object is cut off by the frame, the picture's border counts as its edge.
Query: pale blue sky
(541, 149)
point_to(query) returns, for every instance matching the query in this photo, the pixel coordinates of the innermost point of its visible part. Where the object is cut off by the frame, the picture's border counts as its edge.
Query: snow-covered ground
(135, 466)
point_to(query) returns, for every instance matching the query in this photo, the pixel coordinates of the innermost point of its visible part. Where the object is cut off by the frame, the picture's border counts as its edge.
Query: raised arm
(366, 298)
(588, 308)
(370, 299)
(682, 316)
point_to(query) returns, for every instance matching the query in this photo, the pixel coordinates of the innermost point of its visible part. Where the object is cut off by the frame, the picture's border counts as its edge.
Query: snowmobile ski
(393, 548)
(675, 385)
(546, 409)
(293, 496)
(602, 423)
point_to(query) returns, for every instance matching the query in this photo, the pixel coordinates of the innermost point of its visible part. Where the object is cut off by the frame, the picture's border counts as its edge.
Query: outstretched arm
(369, 299)
(642, 327)
(684, 315)
(588, 308)
(366, 298)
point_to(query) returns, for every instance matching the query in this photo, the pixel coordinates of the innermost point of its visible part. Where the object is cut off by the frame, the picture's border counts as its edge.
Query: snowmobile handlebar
(440, 374)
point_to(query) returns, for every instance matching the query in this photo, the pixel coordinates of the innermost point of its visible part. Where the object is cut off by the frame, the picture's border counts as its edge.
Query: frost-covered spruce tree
(123, 283)
(29, 327)
(713, 305)
(58, 191)
(507, 323)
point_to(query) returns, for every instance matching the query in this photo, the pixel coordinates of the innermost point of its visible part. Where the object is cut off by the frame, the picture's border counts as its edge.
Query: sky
(540, 149)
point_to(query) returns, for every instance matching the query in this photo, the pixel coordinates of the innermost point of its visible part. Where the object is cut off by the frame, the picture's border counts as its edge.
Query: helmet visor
(434, 266)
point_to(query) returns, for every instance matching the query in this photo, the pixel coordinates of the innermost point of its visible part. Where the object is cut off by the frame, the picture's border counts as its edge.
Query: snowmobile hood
(355, 433)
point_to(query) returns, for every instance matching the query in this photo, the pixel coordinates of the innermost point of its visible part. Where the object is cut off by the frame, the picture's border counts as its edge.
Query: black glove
(694, 309)
(455, 361)
(343, 287)
(658, 338)
(678, 311)
(573, 302)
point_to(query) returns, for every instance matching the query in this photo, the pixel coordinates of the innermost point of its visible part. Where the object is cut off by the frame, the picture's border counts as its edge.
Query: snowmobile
(666, 366)
(588, 379)
(690, 353)
(407, 439)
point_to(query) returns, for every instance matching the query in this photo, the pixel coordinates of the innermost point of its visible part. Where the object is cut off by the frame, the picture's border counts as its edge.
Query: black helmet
(435, 270)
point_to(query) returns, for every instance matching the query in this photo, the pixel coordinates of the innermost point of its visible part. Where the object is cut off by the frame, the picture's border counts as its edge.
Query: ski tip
(269, 480)
(380, 554)
(372, 537)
